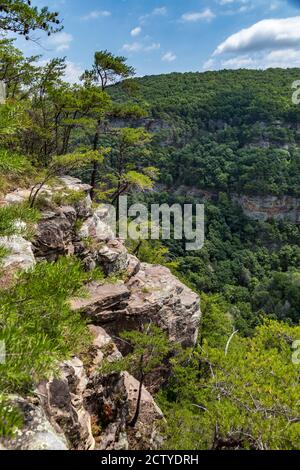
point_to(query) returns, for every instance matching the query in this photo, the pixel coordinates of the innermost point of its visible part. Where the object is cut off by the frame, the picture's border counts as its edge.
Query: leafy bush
(12, 214)
(37, 324)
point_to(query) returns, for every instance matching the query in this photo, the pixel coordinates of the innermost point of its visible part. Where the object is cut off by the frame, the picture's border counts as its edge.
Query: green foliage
(20, 17)
(149, 348)
(37, 324)
(227, 130)
(247, 399)
(11, 215)
(10, 418)
(12, 164)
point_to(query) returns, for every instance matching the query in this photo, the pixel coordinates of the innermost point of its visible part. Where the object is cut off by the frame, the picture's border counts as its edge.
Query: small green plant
(37, 324)
(10, 418)
(68, 197)
(12, 214)
(149, 348)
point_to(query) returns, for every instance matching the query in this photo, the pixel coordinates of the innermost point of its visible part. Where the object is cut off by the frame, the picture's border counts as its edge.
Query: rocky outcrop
(152, 294)
(54, 234)
(37, 432)
(158, 296)
(113, 398)
(264, 208)
(80, 408)
(20, 255)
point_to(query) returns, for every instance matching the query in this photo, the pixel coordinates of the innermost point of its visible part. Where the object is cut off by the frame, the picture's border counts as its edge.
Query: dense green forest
(223, 132)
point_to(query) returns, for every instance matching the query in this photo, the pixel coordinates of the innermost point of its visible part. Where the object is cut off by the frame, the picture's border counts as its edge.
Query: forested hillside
(230, 132)
(227, 131)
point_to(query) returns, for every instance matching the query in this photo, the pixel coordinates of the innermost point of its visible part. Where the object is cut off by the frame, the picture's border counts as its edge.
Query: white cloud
(133, 47)
(169, 57)
(264, 35)
(283, 58)
(162, 11)
(193, 17)
(138, 47)
(73, 72)
(153, 47)
(60, 41)
(136, 31)
(94, 15)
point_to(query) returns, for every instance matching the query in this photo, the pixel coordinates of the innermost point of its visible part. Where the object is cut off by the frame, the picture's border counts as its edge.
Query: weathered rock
(17, 197)
(54, 234)
(74, 184)
(158, 296)
(20, 256)
(104, 302)
(112, 399)
(102, 347)
(133, 266)
(37, 432)
(152, 295)
(62, 399)
(270, 207)
(94, 228)
(113, 257)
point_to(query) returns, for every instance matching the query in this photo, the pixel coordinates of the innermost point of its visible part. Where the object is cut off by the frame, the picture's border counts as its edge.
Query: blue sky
(161, 36)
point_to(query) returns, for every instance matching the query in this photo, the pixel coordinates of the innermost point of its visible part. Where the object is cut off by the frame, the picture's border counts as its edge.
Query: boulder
(104, 302)
(159, 297)
(54, 234)
(94, 228)
(102, 347)
(62, 399)
(152, 295)
(20, 255)
(74, 184)
(37, 432)
(112, 400)
(113, 257)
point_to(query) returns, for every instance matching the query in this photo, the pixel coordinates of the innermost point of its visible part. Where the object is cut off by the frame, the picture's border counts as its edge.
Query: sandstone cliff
(80, 408)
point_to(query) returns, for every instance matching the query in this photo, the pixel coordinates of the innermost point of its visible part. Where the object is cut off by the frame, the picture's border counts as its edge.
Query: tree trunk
(95, 164)
(139, 400)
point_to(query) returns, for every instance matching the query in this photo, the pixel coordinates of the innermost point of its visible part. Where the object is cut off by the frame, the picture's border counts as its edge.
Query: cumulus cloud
(73, 72)
(60, 41)
(193, 17)
(94, 15)
(161, 11)
(136, 31)
(264, 35)
(283, 58)
(139, 47)
(169, 57)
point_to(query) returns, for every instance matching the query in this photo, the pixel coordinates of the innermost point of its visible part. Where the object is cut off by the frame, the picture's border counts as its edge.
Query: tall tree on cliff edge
(20, 17)
(106, 70)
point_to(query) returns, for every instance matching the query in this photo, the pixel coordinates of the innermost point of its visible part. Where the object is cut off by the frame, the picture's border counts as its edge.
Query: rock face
(54, 234)
(80, 408)
(20, 255)
(153, 294)
(113, 399)
(270, 207)
(37, 433)
(158, 296)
